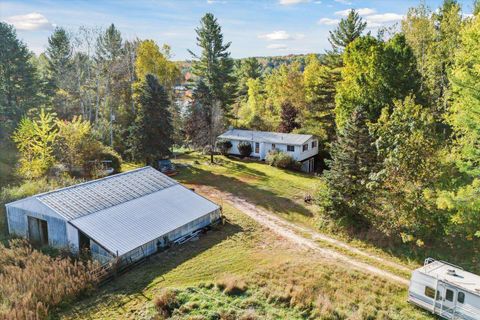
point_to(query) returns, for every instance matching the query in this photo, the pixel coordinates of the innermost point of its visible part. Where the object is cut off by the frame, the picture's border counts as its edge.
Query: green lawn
(280, 191)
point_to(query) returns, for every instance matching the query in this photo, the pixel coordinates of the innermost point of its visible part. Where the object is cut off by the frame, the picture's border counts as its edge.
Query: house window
(305, 147)
(314, 144)
(461, 297)
(291, 148)
(273, 146)
(257, 147)
(449, 295)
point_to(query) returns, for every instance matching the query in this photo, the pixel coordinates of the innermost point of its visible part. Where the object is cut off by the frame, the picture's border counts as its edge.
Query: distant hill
(268, 63)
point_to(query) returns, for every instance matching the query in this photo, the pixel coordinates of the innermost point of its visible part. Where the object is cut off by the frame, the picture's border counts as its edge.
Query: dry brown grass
(31, 282)
(166, 302)
(232, 285)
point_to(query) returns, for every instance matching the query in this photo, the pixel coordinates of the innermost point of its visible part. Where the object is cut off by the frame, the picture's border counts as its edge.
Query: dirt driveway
(304, 238)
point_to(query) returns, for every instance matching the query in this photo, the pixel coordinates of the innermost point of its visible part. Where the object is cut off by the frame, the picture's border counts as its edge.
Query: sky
(255, 28)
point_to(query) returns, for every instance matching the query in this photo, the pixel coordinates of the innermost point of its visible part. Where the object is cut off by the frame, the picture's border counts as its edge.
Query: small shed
(446, 290)
(129, 215)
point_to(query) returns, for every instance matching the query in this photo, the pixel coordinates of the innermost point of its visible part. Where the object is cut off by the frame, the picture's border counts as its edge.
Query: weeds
(232, 285)
(31, 283)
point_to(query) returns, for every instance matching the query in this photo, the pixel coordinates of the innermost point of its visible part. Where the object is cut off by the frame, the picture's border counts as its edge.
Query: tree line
(396, 113)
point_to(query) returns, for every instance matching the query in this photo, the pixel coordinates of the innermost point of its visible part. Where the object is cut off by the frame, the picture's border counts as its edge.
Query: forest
(396, 114)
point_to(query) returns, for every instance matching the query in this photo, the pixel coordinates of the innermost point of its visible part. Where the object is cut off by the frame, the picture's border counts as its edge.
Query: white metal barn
(446, 290)
(129, 215)
(302, 147)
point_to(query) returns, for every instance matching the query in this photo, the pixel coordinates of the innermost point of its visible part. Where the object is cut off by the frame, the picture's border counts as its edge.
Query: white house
(302, 147)
(446, 290)
(128, 215)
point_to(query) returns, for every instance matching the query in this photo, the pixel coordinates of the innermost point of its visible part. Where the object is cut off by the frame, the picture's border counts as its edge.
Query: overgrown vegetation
(32, 283)
(282, 159)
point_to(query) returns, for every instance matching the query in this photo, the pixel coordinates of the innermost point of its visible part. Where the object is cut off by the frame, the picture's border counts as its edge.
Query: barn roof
(86, 198)
(127, 226)
(265, 136)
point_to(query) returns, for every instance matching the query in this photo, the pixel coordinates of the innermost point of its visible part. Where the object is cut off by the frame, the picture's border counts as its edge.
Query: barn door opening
(38, 231)
(83, 241)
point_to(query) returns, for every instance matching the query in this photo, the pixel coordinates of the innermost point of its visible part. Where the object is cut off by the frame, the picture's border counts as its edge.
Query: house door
(38, 231)
(449, 296)
(257, 147)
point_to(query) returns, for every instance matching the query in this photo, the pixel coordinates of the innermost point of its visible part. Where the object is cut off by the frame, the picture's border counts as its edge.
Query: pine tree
(18, 81)
(347, 31)
(214, 67)
(354, 158)
(151, 134)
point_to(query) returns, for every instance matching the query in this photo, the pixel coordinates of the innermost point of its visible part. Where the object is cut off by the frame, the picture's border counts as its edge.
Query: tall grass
(32, 283)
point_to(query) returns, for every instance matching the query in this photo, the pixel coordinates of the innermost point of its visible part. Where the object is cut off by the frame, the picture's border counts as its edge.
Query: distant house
(128, 215)
(302, 147)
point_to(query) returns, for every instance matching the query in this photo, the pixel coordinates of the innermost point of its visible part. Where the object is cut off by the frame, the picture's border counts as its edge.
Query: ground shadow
(135, 281)
(258, 196)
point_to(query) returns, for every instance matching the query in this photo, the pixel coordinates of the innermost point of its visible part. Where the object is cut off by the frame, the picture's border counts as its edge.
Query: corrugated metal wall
(152, 246)
(18, 225)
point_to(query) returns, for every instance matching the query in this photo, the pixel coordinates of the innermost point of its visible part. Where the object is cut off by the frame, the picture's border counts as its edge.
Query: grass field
(283, 191)
(281, 283)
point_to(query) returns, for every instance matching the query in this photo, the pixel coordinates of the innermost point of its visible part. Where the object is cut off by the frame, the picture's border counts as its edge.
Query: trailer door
(449, 295)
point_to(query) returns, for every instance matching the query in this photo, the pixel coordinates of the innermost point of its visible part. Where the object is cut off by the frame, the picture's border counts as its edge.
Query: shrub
(111, 155)
(283, 160)
(31, 282)
(166, 302)
(232, 285)
(224, 146)
(245, 148)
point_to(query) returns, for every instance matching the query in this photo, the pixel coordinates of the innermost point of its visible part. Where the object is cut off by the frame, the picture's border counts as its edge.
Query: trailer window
(449, 295)
(430, 292)
(461, 297)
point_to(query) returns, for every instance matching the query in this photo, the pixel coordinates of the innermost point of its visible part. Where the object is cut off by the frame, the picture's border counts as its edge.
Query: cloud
(328, 21)
(291, 2)
(277, 46)
(344, 2)
(30, 21)
(361, 11)
(280, 35)
(378, 20)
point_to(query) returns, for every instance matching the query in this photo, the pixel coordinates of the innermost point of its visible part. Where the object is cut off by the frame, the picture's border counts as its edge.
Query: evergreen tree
(288, 118)
(320, 82)
(214, 67)
(198, 124)
(18, 80)
(354, 158)
(59, 55)
(60, 68)
(151, 133)
(349, 29)
(245, 70)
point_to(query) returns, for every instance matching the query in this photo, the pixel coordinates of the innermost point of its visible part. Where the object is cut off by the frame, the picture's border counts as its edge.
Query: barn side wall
(18, 225)
(151, 247)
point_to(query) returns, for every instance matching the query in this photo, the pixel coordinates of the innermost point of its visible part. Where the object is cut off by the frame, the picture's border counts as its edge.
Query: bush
(245, 148)
(166, 302)
(111, 155)
(32, 283)
(283, 160)
(224, 146)
(232, 285)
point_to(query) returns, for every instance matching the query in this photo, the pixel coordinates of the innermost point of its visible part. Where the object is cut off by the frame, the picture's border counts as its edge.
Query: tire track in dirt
(290, 231)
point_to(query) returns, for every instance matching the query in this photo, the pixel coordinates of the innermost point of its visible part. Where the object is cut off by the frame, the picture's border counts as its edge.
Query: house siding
(298, 153)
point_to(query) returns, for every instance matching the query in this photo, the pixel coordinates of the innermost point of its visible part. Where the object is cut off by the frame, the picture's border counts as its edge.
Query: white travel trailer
(446, 290)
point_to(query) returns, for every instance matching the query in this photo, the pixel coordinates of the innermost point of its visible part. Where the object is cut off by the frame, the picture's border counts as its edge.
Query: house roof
(453, 275)
(129, 225)
(265, 136)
